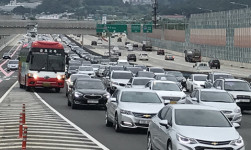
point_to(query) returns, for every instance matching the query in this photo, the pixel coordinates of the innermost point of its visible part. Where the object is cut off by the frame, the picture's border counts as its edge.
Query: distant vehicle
(141, 66)
(138, 82)
(132, 108)
(123, 63)
(156, 70)
(196, 81)
(192, 55)
(87, 92)
(72, 78)
(88, 70)
(211, 77)
(131, 57)
(12, 65)
(192, 127)
(147, 46)
(45, 66)
(99, 41)
(135, 45)
(134, 70)
(145, 74)
(200, 64)
(214, 63)
(94, 43)
(168, 91)
(160, 52)
(119, 40)
(239, 89)
(127, 43)
(143, 56)
(169, 57)
(6, 56)
(129, 47)
(219, 99)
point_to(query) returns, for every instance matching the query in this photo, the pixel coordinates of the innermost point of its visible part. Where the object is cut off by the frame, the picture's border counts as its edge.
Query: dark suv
(214, 63)
(131, 57)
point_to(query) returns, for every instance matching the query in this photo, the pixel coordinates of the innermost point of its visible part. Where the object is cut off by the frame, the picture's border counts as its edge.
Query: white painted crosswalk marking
(47, 130)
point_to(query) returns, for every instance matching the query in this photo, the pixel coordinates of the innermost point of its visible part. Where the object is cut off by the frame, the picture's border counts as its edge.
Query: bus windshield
(47, 62)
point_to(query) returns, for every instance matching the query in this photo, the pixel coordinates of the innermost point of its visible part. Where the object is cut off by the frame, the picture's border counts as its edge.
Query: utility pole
(155, 7)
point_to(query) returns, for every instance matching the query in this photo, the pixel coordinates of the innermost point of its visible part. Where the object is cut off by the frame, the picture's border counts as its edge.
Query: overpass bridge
(8, 27)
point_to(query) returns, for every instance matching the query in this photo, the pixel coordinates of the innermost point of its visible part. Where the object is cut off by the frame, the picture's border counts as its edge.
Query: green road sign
(147, 28)
(122, 28)
(136, 28)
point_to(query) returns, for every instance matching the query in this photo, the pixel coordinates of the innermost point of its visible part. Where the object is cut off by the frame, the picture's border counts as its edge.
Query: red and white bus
(42, 64)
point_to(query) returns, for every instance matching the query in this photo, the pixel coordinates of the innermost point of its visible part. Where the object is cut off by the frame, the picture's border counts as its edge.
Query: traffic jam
(193, 112)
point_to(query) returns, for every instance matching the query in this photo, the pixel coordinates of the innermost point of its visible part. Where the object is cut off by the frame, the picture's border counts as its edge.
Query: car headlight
(183, 98)
(185, 140)
(125, 112)
(237, 110)
(77, 94)
(107, 95)
(238, 142)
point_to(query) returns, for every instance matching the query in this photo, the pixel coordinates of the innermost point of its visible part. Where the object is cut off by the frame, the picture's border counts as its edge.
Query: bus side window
(28, 57)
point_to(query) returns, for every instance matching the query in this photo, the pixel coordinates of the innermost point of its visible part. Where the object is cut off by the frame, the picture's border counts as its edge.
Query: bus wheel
(57, 90)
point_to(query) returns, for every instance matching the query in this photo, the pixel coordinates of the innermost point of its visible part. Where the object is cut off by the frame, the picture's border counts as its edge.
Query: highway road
(92, 120)
(156, 60)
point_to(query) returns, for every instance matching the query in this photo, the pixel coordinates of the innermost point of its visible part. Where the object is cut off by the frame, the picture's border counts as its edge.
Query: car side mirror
(209, 80)
(166, 102)
(113, 100)
(71, 86)
(236, 125)
(164, 123)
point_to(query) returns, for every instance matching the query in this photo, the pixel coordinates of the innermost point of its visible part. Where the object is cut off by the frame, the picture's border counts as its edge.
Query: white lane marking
(6, 93)
(72, 124)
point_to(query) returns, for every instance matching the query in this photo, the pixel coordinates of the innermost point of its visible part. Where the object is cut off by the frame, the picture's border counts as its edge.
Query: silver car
(219, 99)
(192, 127)
(132, 108)
(12, 65)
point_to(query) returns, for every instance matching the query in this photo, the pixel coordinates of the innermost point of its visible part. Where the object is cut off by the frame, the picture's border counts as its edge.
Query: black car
(87, 92)
(6, 56)
(131, 57)
(94, 43)
(214, 63)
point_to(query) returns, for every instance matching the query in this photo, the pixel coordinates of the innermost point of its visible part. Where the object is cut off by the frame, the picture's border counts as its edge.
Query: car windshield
(222, 97)
(161, 86)
(203, 68)
(123, 63)
(200, 78)
(47, 62)
(116, 68)
(157, 70)
(222, 76)
(78, 76)
(121, 75)
(144, 54)
(141, 81)
(140, 97)
(90, 85)
(85, 69)
(134, 70)
(201, 118)
(95, 65)
(237, 86)
(13, 62)
(143, 67)
(167, 78)
(146, 74)
(6, 54)
(176, 74)
(73, 67)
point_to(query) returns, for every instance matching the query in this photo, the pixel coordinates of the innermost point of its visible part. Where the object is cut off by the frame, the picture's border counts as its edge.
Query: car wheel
(149, 143)
(169, 145)
(27, 88)
(57, 90)
(21, 86)
(219, 67)
(73, 105)
(68, 102)
(116, 124)
(108, 123)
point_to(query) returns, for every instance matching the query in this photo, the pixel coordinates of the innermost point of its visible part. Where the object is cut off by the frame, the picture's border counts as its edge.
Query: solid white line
(72, 124)
(5, 95)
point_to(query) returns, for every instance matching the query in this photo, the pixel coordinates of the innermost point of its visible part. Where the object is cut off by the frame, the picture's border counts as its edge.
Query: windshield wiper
(53, 69)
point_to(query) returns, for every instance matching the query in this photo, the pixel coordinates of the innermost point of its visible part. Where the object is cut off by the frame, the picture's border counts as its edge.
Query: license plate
(92, 101)
(244, 100)
(46, 84)
(173, 102)
(144, 121)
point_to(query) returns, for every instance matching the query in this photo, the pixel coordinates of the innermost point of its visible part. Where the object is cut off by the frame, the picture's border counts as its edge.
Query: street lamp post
(234, 3)
(205, 9)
